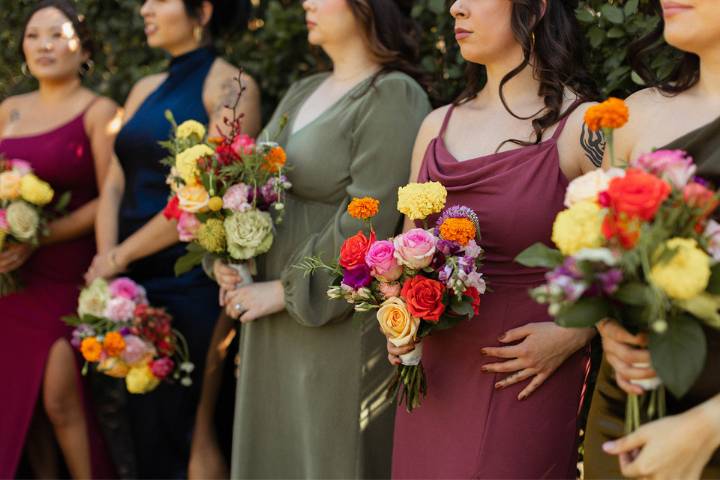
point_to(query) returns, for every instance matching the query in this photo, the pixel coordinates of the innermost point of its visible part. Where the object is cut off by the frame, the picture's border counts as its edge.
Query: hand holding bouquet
(124, 337)
(637, 244)
(420, 281)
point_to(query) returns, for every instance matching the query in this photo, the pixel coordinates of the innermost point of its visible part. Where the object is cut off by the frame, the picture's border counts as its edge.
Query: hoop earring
(198, 34)
(87, 67)
(24, 69)
(532, 41)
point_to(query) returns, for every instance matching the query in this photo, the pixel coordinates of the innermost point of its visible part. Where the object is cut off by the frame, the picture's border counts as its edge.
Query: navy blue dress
(162, 421)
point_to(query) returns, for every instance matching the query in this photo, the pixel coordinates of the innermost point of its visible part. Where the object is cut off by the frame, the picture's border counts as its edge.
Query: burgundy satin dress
(30, 320)
(465, 428)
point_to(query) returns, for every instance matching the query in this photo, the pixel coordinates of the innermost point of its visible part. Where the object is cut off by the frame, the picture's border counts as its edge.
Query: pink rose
(22, 167)
(162, 367)
(712, 235)
(120, 309)
(674, 166)
(243, 144)
(4, 225)
(125, 288)
(389, 290)
(136, 349)
(187, 227)
(236, 198)
(381, 260)
(415, 248)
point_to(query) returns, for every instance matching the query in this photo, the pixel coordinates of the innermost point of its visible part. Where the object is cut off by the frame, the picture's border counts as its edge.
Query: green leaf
(678, 354)
(634, 293)
(189, 261)
(714, 283)
(63, 202)
(585, 16)
(613, 14)
(540, 255)
(631, 7)
(584, 313)
(464, 308)
(616, 32)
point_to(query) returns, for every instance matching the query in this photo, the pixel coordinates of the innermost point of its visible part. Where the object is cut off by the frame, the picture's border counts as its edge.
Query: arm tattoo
(227, 95)
(14, 115)
(594, 145)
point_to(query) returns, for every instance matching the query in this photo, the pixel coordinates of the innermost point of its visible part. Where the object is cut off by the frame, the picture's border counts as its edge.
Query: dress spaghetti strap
(446, 120)
(563, 121)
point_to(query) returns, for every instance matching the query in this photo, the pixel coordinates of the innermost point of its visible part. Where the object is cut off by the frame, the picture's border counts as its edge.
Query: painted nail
(498, 386)
(483, 352)
(609, 446)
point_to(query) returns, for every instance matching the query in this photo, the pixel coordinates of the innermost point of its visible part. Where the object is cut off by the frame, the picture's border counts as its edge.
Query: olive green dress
(607, 411)
(310, 394)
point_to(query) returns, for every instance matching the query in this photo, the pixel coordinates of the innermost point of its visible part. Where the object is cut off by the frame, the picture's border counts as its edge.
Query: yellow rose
(193, 198)
(35, 191)
(113, 367)
(9, 185)
(141, 380)
(419, 200)
(396, 322)
(186, 162)
(686, 274)
(578, 227)
(191, 127)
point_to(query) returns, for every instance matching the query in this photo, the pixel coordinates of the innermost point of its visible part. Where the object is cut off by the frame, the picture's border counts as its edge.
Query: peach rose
(10, 185)
(396, 322)
(193, 198)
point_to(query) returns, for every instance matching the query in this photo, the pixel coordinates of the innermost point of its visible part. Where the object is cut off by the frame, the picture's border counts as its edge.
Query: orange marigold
(612, 113)
(215, 140)
(275, 159)
(458, 230)
(363, 208)
(114, 344)
(91, 349)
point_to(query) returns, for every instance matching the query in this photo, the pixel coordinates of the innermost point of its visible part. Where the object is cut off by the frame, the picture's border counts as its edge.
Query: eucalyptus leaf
(188, 261)
(540, 255)
(584, 313)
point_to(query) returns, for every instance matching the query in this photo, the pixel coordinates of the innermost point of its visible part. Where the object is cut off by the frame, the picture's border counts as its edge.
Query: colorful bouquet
(420, 281)
(22, 218)
(637, 244)
(227, 193)
(124, 337)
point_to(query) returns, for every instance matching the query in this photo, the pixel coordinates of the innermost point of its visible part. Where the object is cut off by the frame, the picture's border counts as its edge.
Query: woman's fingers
(613, 330)
(626, 353)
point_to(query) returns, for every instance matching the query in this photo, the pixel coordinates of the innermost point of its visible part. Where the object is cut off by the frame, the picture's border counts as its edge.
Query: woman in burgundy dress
(504, 388)
(62, 129)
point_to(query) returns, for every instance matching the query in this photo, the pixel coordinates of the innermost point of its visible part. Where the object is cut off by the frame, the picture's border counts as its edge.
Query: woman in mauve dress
(685, 444)
(63, 131)
(504, 389)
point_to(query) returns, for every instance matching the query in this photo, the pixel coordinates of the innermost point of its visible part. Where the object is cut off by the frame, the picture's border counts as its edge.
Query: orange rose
(626, 231)
(352, 253)
(637, 194)
(424, 298)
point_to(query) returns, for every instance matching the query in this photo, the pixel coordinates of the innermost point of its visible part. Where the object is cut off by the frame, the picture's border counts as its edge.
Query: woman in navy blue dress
(133, 236)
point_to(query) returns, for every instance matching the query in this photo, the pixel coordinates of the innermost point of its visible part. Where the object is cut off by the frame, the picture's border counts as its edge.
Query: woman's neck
(351, 60)
(520, 92)
(709, 83)
(57, 91)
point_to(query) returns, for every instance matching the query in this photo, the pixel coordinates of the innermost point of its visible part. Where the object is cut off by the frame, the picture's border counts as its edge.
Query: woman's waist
(65, 261)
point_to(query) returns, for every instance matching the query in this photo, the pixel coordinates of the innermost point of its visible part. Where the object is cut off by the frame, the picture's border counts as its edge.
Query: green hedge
(275, 52)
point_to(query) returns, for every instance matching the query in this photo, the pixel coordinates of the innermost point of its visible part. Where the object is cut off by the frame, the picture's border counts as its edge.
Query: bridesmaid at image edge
(63, 130)
(133, 236)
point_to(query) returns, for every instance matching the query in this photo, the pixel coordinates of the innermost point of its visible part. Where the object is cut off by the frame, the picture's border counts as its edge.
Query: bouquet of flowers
(636, 243)
(22, 218)
(227, 192)
(420, 281)
(124, 337)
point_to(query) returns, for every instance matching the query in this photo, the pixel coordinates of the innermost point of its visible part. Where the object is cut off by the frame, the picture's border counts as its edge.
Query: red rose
(352, 253)
(700, 197)
(637, 194)
(424, 298)
(172, 209)
(626, 231)
(475, 295)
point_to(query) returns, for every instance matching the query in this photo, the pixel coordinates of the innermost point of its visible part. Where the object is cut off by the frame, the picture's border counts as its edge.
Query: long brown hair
(552, 42)
(392, 36)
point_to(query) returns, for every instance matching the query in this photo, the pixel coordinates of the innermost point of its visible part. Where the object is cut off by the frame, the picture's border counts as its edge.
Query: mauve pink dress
(464, 427)
(30, 320)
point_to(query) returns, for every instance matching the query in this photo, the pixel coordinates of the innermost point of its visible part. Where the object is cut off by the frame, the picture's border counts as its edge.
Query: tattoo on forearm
(14, 115)
(594, 145)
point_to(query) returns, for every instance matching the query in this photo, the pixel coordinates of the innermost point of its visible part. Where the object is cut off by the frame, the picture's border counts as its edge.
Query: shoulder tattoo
(593, 144)
(14, 115)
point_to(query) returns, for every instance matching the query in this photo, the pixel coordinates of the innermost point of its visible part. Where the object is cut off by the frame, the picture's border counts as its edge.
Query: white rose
(23, 220)
(588, 186)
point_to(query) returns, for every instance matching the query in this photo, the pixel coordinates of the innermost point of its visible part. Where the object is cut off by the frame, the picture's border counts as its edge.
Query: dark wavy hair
(392, 36)
(684, 75)
(70, 11)
(552, 43)
(229, 16)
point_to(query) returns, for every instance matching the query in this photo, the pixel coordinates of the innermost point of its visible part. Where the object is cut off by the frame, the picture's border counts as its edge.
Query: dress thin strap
(561, 124)
(446, 120)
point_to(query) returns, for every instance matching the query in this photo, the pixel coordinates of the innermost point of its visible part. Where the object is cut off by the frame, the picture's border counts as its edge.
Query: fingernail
(498, 386)
(609, 447)
(483, 352)
(484, 369)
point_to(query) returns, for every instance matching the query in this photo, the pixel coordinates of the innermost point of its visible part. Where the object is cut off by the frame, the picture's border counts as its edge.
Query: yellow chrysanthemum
(686, 274)
(141, 380)
(186, 162)
(211, 236)
(578, 227)
(35, 191)
(189, 128)
(419, 200)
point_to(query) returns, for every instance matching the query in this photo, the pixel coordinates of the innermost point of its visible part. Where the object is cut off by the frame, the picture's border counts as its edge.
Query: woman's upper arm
(102, 122)
(221, 93)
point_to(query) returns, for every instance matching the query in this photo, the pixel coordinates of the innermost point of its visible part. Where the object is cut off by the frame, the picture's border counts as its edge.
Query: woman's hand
(227, 278)
(544, 347)
(624, 352)
(14, 256)
(256, 300)
(678, 446)
(105, 265)
(395, 352)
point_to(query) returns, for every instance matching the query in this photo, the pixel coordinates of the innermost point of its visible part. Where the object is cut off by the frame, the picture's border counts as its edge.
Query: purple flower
(447, 247)
(79, 333)
(358, 277)
(445, 273)
(457, 211)
(610, 280)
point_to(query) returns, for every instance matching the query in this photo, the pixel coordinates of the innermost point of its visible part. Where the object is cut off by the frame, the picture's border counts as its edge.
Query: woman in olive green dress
(310, 395)
(684, 444)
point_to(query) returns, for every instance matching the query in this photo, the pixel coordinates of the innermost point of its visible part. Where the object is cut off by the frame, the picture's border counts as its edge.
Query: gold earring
(198, 33)
(532, 41)
(24, 69)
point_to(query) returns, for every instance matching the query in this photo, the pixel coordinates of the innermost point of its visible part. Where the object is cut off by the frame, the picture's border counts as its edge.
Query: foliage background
(275, 52)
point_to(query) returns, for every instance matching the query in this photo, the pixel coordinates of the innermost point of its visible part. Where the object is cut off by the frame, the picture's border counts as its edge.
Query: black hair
(68, 9)
(229, 16)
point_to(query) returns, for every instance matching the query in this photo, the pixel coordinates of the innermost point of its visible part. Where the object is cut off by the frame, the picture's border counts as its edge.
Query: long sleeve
(381, 145)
